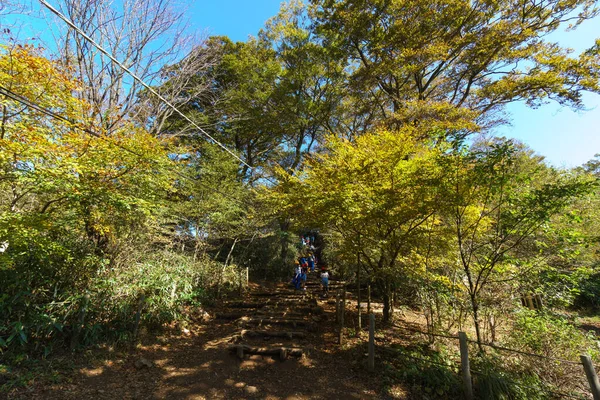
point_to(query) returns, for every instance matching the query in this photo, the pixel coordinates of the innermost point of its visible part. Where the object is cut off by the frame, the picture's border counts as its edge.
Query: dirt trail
(205, 363)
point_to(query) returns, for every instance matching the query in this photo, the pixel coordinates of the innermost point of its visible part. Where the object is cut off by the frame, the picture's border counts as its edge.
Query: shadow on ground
(198, 365)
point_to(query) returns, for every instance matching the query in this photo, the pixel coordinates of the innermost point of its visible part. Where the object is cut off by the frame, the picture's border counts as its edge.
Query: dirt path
(204, 362)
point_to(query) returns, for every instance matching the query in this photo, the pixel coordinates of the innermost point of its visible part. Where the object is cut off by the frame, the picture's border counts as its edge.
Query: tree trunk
(220, 280)
(475, 306)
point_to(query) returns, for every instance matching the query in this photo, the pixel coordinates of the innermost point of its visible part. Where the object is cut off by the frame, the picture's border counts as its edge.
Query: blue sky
(564, 137)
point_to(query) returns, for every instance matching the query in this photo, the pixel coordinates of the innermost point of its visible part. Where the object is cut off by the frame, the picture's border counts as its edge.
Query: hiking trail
(271, 343)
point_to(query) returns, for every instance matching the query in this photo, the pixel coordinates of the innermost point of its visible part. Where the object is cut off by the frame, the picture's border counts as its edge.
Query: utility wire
(23, 100)
(138, 79)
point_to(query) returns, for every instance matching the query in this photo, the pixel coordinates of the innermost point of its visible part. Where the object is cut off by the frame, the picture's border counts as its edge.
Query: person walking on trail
(297, 280)
(311, 263)
(325, 281)
(304, 264)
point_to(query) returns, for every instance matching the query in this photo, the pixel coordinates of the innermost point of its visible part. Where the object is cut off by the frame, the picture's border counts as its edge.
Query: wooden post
(371, 342)
(369, 299)
(138, 315)
(247, 276)
(79, 323)
(342, 312)
(591, 375)
(530, 302)
(464, 364)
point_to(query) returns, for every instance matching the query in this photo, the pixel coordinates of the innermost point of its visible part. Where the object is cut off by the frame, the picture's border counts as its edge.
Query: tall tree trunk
(220, 281)
(475, 306)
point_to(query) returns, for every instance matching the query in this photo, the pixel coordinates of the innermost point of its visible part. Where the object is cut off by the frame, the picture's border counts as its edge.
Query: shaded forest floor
(196, 363)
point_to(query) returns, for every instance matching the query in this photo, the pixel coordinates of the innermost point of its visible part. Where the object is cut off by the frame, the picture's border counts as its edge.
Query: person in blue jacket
(311, 263)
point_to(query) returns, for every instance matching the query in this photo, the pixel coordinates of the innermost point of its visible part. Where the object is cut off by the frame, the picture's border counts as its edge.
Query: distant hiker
(311, 263)
(325, 281)
(303, 276)
(297, 279)
(312, 239)
(304, 264)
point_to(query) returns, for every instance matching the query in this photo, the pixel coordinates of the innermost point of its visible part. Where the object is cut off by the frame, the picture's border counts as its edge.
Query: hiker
(311, 263)
(303, 279)
(325, 281)
(304, 264)
(297, 279)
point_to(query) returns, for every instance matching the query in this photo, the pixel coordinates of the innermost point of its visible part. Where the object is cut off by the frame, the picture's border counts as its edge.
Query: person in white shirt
(325, 281)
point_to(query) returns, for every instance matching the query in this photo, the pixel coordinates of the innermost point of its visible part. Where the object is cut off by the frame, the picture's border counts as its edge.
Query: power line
(23, 100)
(138, 79)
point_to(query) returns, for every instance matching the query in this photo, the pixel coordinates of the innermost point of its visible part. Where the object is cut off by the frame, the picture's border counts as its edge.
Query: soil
(196, 362)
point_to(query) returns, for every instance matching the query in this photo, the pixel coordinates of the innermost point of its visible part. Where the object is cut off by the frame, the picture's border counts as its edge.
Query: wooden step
(282, 352)
(244, 304)
(309, 325)
(276, 334)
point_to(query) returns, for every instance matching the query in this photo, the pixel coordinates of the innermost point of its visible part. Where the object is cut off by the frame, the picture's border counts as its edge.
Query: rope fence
(476, 372)
(491, 345)
(466, 371)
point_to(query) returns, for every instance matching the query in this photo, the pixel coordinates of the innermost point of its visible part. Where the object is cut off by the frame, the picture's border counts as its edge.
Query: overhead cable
(138, 79)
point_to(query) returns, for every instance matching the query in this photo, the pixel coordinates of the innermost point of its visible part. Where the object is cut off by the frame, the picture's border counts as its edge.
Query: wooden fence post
(342, 312)
(138, 316)
(371, 342)
(464, 364)
(591, 375)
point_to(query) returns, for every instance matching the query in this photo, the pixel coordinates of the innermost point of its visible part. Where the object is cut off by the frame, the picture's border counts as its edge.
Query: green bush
(50, 286)
(589, 292)
(549, 335)
(555, 338)
(492, 380)
(432, 371)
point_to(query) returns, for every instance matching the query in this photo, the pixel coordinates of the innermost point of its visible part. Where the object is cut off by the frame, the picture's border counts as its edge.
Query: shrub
(554, 338)
(49, 291)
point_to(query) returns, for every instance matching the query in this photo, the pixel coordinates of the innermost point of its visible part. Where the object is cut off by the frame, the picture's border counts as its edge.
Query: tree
(55, 165)
(419, 60)
(501, 196)
(149, 38)
(69, 193)
(238, 105)
(383, 186)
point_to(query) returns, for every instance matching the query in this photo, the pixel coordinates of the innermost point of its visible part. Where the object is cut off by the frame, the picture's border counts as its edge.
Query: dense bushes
(47, 288)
